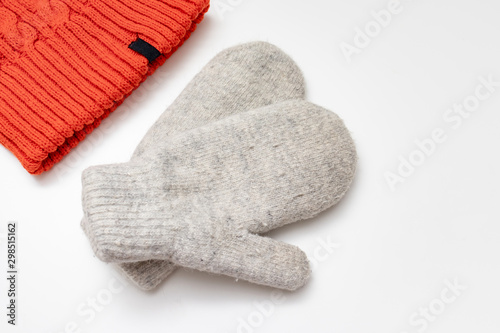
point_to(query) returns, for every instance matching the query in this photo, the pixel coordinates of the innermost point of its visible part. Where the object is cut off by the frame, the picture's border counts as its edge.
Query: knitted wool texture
(202, 200)
(238, 79)
(65, 65)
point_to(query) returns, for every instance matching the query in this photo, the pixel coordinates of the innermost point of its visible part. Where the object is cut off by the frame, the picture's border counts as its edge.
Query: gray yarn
(238, 79)
(203, 198)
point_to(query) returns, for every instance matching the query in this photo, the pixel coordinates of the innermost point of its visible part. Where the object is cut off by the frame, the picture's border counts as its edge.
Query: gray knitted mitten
(238, 79)
(202, 200)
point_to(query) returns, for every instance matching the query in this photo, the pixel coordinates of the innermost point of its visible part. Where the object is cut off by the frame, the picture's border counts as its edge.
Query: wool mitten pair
(65, 65)
(208, 193)
(267, 76)
(237, 79)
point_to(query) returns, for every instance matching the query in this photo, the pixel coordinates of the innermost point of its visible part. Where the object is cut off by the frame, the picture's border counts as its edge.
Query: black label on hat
(146, 49)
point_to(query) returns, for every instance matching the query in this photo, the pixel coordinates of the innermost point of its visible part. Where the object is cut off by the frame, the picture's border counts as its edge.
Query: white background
(393, 250)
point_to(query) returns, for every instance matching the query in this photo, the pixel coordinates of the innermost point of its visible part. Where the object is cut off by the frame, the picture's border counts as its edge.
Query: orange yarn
(65, 65)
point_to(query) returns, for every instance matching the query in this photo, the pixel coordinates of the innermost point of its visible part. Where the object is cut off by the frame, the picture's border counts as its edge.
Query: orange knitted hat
(65, 65)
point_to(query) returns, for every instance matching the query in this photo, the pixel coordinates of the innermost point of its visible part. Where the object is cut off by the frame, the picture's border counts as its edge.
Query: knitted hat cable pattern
(65, 65)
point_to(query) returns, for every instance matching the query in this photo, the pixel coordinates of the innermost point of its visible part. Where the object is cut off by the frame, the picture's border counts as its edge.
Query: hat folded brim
(60, 79)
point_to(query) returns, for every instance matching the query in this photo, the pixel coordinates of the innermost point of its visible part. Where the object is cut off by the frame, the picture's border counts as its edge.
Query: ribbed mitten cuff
(116, 198)
(126, 185)
(67, 64)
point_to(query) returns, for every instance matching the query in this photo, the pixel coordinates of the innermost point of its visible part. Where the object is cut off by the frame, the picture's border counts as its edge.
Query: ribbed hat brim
(59, 80)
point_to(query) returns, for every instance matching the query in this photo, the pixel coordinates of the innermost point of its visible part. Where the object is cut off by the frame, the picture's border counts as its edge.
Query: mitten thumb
(253, 258)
